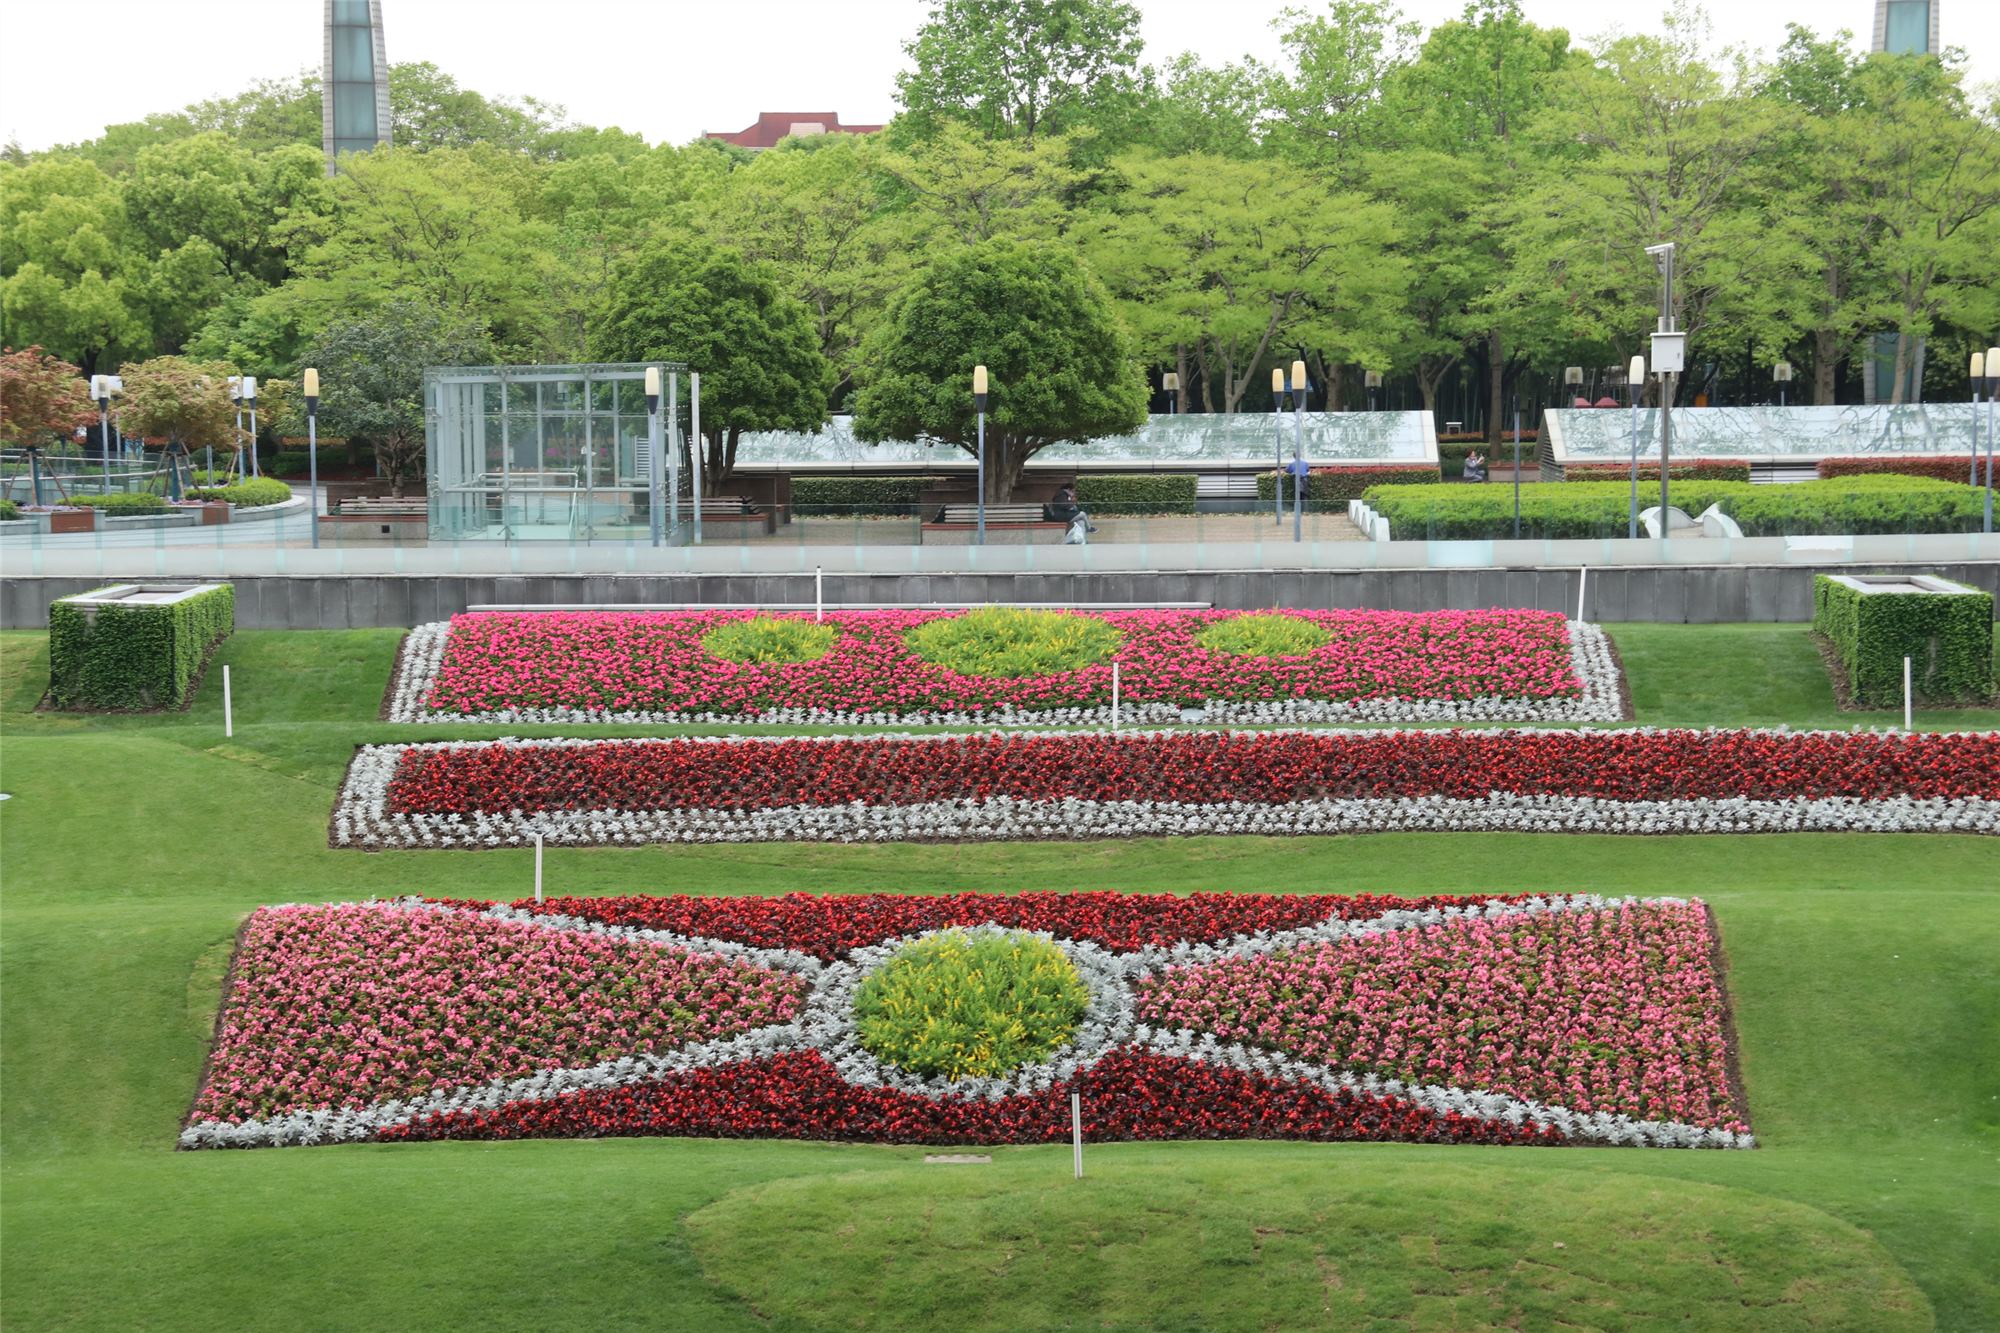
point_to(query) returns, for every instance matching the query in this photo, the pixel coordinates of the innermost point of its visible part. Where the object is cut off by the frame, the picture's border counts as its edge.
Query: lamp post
(1635, 380)
(1669, 356)
(1781, 374)
(695, 460)
(1573, 382)
(1171, 382)
(1978, 378)
(1278, 406)
(236, 399)
(979, 406)
(311, 379)
(250, 397)
(100, 389)
(1992, 392)
(1298, 451)
(1517, 461)
(653, 453)
(1373, 379)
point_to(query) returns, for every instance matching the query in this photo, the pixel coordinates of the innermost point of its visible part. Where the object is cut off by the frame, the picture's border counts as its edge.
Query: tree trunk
(1496, 386)
(1826, 365)
(1181, 370)
(1902, 369)
(1201, 369)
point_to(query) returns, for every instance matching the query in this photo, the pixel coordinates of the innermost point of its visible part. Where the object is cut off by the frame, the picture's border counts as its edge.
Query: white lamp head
(1171, 382)
(312, 383)
(250, 387)
(99, 390)
(979, 379)
(1277, 380)
(1372, 379)
(1993, 363)
(1782, 372)
(652, 381)
(1299, 376)
(1979, 365)
(1636, 372)
(1572, 374)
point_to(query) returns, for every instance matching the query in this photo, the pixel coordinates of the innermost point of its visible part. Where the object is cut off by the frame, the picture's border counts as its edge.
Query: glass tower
(354, 86)
(1906, 27)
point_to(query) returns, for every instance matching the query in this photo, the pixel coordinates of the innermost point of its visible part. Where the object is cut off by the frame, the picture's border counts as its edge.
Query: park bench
(377, 518)
(735, 510)
(1006, 525)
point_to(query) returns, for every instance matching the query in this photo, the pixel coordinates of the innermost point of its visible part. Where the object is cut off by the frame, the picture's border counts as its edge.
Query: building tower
(354, 81)
(1906, 27)
(1902, 28)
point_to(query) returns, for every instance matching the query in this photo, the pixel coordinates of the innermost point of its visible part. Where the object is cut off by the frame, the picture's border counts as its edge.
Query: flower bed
(661, 667)
(1539, 1020)
(1000, 785)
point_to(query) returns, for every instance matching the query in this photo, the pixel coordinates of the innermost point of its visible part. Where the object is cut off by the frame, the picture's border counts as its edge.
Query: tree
(1059, 360)
(1328, 103)
(42, 398)
(1018, 68)
(186, 401)
(753, 343)
(974, 189)
(371, 376)
(67, 278)
(1213, 109)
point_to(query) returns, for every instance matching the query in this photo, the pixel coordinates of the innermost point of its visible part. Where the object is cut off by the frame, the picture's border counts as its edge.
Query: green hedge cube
(1874, 621)
(132, 646)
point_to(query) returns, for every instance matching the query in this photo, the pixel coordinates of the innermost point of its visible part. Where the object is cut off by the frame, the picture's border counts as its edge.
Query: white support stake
(228, 707)
(538, 870)
(819, 593)
(1906, 695)
(1114, 696)
(1582, 583)
(1076, 1131)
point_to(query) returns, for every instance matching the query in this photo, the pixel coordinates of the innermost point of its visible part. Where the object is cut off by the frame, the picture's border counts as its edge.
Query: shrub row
(1331, 487)
(1700, 469)
(1145, 493)
(1843, 505)
(136, 502)
(125, 658)
(859, 495)
(250, 494)
(1948, 639)
(1940, 469)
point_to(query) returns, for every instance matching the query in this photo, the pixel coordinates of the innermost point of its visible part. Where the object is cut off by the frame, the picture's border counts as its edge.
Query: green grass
(1861, 969)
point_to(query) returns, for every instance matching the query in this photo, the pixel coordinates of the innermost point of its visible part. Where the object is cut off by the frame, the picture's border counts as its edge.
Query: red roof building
(773, 126)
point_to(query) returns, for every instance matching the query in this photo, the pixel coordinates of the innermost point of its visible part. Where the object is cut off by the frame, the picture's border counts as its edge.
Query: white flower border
(1109, 1024)
(361, 817)
(1590, 655)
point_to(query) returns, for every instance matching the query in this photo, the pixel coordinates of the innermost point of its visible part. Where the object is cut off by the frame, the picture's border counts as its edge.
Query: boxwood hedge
(1843, 505)
(846, 496)
(1948, 639)
(1141, 493)
(129, 658)
(134, 502)
(1333, 487)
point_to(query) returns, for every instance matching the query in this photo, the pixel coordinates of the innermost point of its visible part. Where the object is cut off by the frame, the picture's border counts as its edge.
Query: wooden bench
(734, 510)
(377, 518)
(1006, 525)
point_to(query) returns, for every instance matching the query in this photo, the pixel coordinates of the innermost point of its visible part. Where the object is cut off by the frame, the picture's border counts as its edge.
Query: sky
(673, 69)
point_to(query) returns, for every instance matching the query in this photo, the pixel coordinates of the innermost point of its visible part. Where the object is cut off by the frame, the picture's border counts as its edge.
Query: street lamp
(979, 405)
(1978, 378)
(1278, 405)
(1635, 380)
(1373, 379)
(653, 451)
(208, 450)
(100, 389)
(311, 380)
(1782, 374)
(1573, 382)
(1299, 451)
(1669, 358)
(250, 397)
(1171, 382)
(1992, 392)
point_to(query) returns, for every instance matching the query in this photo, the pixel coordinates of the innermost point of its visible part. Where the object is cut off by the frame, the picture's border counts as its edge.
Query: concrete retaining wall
(1694, 594)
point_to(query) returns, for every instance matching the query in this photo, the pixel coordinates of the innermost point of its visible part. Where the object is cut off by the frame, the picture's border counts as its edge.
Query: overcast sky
(672, 69)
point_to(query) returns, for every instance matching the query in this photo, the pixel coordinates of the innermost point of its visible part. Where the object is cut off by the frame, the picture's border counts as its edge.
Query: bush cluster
(1141, 493)
(1010, 643)
(135, 502)
(1948, 639)
(251, 494)
(1333, 487)
(127, 658)
(1700, 469)
(962, 1005)
(1943, 468)
(1845, 505)
(834, 496)
(770, 639)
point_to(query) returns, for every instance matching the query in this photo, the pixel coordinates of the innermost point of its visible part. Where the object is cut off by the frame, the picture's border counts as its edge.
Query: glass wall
(1775, 434)
(553, 452)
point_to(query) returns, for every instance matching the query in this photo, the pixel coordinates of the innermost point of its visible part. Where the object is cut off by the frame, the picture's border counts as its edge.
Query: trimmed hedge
(1333, 487)
(1701, 469)
(1948, 639)
(1842, 505)
(1943, 468)
(859, 495)
(1143, 493)
(250, 494)
(136, 502)
(130, 658)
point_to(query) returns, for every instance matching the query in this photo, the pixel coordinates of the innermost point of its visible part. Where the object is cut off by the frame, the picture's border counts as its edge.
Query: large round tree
(1059, 364)
(754, 345)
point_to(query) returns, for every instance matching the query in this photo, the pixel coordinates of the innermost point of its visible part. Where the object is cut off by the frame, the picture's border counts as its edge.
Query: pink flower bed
(1617, 1011)
(598, 663)
(358, 1003)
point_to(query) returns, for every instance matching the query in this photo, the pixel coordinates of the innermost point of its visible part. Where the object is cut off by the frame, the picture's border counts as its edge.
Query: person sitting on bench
(1064, 509)
(1475, 467)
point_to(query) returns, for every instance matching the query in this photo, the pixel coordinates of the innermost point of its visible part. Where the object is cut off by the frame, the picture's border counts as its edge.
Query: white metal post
(254, 471)
(1906, 695)
(1278, 420)
(819, 593)
(694, 445)
(982, 477)
(312, 469)
(1582, 583)
(1298, 456)
(228, 706)
(672, 444)
(538, 869)
(1076, 1131)
(1114, 696)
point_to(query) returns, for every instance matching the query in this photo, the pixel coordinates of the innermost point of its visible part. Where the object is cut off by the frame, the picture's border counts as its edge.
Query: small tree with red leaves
(42, 398)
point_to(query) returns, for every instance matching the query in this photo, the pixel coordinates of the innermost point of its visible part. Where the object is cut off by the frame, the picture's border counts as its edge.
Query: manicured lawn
(1861, 969)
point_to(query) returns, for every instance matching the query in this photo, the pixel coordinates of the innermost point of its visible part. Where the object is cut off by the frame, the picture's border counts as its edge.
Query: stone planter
(72, 520)
(213, 512)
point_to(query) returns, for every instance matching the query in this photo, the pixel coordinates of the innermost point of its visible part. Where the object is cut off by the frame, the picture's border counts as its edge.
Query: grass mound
(1263, 635)
(770, 639)
(1008, 643)
(965, 1005)
(1191, 1244)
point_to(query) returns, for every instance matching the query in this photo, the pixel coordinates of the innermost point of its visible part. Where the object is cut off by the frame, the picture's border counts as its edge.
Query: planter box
(213, 512)
(72, 520)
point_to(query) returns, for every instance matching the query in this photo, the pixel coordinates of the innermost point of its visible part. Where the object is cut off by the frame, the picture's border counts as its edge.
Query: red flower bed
(1203, 768)
(1127, 1095)
(828, 926)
